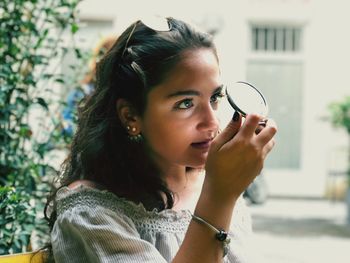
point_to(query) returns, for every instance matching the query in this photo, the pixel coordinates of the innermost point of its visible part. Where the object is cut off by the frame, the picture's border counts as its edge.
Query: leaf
(74, 28)
(78, 53)
(47, 76)
(42, 103)
(60, 80)
(25, 131)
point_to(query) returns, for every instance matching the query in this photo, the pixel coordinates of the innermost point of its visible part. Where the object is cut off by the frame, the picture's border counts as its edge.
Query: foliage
(340, 117)
(340, 113)
(16, 218)
(32, 48)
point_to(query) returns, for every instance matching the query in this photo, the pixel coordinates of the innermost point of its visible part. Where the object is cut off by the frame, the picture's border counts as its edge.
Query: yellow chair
(30, 257)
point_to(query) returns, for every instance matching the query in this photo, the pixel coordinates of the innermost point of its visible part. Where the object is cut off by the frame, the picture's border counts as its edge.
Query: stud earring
(133, 129)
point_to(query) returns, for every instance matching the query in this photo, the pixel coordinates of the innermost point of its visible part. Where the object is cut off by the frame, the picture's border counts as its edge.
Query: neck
(186, 185)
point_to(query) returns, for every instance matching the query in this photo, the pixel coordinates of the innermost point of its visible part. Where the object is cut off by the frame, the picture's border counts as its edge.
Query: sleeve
(240, 233)
(87, 234)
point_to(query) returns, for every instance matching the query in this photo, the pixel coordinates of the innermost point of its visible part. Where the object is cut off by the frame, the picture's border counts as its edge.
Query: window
(276, 67)
(276, 38)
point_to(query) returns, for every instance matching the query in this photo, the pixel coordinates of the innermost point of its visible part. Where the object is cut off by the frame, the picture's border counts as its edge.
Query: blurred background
(295, 51)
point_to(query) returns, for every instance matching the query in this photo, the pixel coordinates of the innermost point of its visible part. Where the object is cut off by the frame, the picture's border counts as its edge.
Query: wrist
(220, 234)
(214, 208)
(217, 193)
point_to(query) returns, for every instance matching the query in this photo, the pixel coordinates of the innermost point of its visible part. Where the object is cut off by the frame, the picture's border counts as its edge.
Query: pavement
(300, 231)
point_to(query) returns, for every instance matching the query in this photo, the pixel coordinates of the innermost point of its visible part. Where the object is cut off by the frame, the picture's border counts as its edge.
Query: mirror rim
(234, 105)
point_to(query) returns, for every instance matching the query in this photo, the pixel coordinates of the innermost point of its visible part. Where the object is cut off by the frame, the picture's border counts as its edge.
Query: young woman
(149, 178)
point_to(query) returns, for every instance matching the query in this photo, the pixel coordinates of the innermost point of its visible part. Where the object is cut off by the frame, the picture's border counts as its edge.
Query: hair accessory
(220, 234)
(156, 23)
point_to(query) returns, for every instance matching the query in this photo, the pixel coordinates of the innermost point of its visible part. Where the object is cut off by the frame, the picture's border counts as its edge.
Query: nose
(208, 119)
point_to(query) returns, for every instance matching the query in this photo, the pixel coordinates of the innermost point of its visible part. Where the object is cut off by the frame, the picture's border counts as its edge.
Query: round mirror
(245, 98)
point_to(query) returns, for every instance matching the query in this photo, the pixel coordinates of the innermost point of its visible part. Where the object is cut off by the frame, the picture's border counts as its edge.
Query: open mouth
(201, 145)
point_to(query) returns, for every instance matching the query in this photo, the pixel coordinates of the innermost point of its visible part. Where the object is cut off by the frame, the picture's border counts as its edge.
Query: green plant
(340, 113)
(32, 49)
(340, 117)
(17, 219)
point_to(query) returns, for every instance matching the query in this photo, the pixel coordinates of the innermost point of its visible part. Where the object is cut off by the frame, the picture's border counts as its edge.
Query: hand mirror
(245, 98)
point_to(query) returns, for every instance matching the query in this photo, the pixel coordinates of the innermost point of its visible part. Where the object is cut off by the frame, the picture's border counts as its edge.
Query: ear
(128, 117)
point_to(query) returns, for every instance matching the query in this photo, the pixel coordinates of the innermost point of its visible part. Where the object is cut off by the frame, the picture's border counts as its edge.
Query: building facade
(295, 51)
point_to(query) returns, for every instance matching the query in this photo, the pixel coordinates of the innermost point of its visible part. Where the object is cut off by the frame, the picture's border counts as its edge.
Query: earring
(133, 138)
(133, 129)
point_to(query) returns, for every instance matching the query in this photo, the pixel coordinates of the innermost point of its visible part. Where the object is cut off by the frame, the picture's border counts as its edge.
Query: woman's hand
(236, 157)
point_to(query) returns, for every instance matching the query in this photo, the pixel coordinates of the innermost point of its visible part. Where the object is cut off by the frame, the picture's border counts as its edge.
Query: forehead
(199, 60)
(196, 68)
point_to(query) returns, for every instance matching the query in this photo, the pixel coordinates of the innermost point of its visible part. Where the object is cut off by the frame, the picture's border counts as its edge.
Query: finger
(266, 135)
(260, 127)
(250, 125)
(268, 147)
(271, 122)
(228, 133)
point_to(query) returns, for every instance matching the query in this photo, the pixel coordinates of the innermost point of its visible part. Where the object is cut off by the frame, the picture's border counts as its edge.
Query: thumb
(228, 133)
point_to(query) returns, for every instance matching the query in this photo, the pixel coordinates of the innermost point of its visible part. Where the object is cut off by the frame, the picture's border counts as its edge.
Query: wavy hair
(140, 59)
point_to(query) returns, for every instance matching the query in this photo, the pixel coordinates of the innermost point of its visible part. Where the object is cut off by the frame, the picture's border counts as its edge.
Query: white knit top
(97, 226)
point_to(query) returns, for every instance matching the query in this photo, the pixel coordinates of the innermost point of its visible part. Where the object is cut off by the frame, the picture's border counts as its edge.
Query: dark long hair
(101, 152)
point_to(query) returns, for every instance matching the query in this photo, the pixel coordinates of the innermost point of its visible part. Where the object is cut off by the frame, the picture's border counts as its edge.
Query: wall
(325, 57)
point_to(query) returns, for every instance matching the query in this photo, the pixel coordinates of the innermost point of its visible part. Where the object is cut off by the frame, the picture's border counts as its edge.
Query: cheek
(168, 131)
(164, 130)
(152, 130)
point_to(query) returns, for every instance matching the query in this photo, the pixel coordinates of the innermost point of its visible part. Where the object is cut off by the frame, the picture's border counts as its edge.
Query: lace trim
(144, 220)
(154, 221)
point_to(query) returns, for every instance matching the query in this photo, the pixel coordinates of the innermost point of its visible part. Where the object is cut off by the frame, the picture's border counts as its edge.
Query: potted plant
(340, 117)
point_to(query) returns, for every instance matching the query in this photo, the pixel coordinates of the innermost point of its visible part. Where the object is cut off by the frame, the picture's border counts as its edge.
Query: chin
(196, 162)
(198, 165)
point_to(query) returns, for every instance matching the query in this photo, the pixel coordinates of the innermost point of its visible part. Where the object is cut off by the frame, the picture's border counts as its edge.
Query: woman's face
(179, 121)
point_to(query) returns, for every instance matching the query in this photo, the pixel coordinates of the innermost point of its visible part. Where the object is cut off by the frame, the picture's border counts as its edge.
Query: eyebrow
(191, 92)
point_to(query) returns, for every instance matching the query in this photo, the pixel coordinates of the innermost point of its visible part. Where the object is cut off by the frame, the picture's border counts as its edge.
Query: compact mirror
(245, 98)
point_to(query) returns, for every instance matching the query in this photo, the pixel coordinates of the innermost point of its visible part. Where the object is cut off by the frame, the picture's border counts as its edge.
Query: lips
(202, 145)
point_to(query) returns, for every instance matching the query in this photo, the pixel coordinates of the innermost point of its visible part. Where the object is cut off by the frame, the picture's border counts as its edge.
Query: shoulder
(97, 224)
(99, 235)
(81, 200)
(88, 183)
(88, 230)
(82, 208)
(86, 195)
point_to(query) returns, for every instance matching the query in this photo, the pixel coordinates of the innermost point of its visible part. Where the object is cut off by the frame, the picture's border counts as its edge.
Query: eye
(184, 104)
(216, 98)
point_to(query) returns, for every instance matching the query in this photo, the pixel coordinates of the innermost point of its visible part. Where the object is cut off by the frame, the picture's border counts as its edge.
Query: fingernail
(235, 116)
